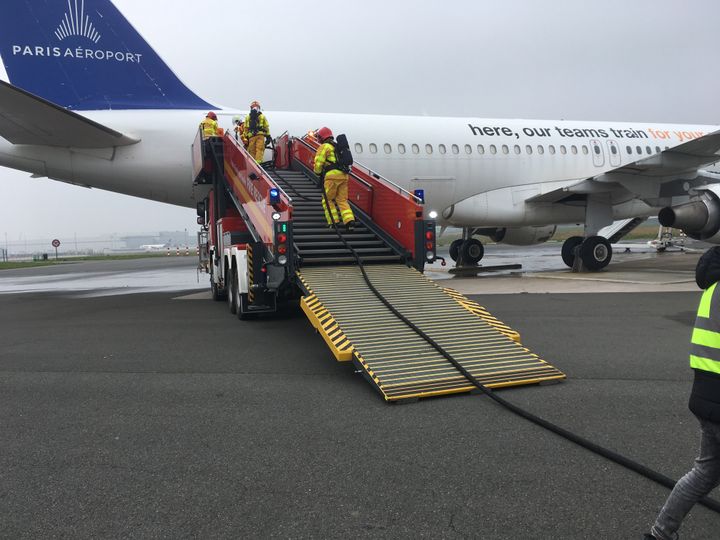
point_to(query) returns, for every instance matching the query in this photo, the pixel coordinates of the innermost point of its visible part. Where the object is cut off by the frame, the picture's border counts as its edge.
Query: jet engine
(699, 218)
(520, 236)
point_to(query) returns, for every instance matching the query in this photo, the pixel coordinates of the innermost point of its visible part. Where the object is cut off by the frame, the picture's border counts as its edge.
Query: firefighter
(239, 129)
(256, 131)
(209, 126)
(335, 181)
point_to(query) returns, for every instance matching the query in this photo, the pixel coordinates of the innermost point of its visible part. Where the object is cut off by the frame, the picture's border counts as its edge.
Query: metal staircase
(315, 242)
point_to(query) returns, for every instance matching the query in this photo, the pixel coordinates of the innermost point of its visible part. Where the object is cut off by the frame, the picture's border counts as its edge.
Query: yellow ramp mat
(395, 359)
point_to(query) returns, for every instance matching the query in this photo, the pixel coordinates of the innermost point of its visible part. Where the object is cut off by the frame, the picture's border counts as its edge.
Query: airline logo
(75, 23)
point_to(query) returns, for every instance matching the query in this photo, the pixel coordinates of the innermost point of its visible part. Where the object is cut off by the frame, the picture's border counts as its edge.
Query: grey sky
(567, 59)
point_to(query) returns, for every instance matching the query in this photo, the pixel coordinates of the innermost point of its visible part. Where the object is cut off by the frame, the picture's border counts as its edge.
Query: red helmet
(255, 104)
(324, 133)
(211, 115)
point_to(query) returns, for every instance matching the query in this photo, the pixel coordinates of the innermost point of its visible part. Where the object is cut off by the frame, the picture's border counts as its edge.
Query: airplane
(89, 102)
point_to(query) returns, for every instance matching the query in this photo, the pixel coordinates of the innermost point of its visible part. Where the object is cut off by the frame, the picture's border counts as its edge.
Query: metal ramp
(398, 362)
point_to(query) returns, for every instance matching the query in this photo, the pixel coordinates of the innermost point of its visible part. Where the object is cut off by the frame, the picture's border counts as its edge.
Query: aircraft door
(597, 153)
(614, 153)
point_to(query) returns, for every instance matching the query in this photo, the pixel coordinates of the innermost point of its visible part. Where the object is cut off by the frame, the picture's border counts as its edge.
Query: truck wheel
(243, 316)
(232, 292)
(218, 294)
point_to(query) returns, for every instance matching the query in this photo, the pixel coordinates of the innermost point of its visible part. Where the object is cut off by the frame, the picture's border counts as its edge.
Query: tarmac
(158, 415)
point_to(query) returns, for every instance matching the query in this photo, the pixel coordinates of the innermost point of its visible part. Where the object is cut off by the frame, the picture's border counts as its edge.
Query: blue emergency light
(420, 194)
(274, 195)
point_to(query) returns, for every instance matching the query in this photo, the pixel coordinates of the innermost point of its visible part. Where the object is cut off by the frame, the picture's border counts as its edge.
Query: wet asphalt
(160, 415)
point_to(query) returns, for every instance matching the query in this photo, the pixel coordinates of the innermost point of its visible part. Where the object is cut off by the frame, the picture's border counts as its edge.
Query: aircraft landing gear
(466, 251)
(592, 253)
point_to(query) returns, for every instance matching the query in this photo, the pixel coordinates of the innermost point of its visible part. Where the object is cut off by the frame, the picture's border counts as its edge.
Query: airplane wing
(28, 119)
(636, 177)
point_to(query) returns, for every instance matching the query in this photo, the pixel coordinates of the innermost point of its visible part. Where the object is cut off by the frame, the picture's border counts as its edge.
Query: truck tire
(231, 286)
(218, 294)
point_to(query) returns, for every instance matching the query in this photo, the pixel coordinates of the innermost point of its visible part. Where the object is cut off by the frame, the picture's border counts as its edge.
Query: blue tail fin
(85, 55)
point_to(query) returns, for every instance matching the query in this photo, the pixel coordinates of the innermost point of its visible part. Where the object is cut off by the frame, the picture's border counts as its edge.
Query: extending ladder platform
(357, 326)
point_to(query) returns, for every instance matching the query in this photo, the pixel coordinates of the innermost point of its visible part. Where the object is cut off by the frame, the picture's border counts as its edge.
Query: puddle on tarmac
(94, 284)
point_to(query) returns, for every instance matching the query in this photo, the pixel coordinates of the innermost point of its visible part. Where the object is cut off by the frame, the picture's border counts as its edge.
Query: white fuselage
(492, 165)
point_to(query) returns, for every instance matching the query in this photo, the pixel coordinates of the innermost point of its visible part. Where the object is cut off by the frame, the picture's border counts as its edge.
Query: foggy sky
(639, 61)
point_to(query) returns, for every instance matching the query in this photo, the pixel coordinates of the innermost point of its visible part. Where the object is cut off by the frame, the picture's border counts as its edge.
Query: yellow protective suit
(256, 137)
(336, 186)
(209, 128)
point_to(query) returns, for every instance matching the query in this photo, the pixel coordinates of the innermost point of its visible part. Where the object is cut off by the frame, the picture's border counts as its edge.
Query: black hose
(661, 479)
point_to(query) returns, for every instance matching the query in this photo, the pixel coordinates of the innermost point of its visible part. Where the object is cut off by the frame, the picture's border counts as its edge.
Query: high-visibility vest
(209, 127)
(324, 158)
(705, 341)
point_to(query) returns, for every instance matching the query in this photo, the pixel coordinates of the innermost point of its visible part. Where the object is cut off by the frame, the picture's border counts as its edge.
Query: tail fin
(85, 55)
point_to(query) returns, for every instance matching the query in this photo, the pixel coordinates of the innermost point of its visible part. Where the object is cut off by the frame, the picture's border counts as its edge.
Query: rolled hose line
(628, 463)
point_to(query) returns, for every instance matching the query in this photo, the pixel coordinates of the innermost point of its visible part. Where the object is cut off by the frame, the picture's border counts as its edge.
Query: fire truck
(265, 242)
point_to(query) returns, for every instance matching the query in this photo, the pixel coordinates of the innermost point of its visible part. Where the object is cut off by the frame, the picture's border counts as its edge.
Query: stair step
(347, 259)
(339, 245)
(309, 229)
(343, 251)
(304, 238)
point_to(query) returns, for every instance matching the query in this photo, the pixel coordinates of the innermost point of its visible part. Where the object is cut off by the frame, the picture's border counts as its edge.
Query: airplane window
(551, 149)
(373, 148)
(505, 149)
(387, 148)
(358, 148)
(541, 149)
(401, 148)
(657, 149)
(428, 148)
(639, 150)
(573, 149)
(481, 149)
(468, 149)
(628, 149)
(493, 150)
(586, 151)
(415, 149)
(648, 150)
(455, 149)
(563, 150)
(441, 148)
(613, 149)
(596, 149)
(528, 149)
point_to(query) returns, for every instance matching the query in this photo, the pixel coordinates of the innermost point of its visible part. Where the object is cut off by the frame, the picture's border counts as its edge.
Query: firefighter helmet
(211, 115)
(254, 104)
(324, 133)
(237, 119)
